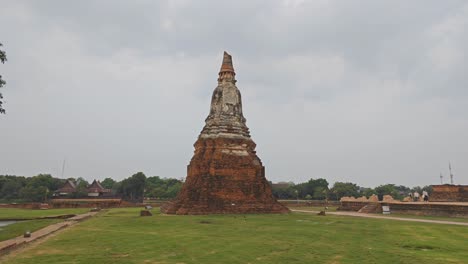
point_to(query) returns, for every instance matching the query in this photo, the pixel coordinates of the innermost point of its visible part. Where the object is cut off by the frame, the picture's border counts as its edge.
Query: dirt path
(356, 214)
(9, 245)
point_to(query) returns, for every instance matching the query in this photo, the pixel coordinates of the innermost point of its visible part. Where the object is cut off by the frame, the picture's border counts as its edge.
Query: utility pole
(441, 179)
(63, 167)
(451, 175)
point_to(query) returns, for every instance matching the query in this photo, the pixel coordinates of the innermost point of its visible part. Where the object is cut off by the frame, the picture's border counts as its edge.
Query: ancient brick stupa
(225, 175)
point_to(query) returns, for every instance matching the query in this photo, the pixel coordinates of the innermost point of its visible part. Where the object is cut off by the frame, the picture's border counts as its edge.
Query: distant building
(68, 188)
(449, 193)
(96, 189)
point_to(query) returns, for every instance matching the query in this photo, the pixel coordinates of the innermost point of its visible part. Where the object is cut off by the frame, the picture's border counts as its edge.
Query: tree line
(42, 187)
(318, 189)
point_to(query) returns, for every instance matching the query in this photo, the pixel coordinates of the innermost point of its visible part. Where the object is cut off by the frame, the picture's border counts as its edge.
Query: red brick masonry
(219, 183)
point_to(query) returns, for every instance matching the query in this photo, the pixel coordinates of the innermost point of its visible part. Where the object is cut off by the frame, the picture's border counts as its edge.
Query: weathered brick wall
(302, 203)
(434, 209)
(85, 203)
(430, 209)
(351, 206)
(225, 176)
(449, 193)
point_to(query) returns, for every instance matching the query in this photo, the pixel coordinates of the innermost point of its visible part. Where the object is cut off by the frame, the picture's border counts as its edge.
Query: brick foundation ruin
(449, 193)
(412, 208)
(225, 175)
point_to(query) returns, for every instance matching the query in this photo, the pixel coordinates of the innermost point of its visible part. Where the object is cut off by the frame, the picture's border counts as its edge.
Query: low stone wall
(414, 208)
(433, 209)
(304, 203)
(449, 193)
(85, 203)
(351, 206)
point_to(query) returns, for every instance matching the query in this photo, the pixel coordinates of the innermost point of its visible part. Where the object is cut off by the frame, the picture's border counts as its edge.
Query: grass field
(315, 208)
(443, 218)
(18, 229)
(14, 213)
(121, 236)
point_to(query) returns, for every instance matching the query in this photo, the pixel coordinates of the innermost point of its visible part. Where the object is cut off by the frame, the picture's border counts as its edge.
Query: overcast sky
(370, 92)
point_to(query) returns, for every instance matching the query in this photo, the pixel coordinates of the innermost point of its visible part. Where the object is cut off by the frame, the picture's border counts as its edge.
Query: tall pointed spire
(227, 63)
(227, 73)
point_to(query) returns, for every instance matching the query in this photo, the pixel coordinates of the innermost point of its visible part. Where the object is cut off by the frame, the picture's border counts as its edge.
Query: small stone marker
(148, 207)
(27, 234)
(145, 213)
(385, 209)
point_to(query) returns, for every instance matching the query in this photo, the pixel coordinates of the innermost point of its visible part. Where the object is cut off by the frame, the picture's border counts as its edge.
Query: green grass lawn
(429, 217)
(121, 236)
(314, 208)
(18, 229)
(14, 213)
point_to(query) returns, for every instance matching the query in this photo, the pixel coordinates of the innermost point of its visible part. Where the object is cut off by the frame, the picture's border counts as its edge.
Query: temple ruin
(225, 175)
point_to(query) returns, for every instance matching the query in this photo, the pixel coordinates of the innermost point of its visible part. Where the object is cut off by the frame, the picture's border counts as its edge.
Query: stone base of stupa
(225, 176)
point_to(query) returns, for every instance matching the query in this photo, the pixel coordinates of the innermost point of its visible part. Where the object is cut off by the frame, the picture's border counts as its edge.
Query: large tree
(341, 189)
(3, 58)
(133, 188)
(108, 183)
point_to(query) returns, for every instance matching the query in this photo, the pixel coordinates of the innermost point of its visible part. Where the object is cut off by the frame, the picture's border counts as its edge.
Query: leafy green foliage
(133, 188)
(341, 189)
(162, 188)
(32, 189)
(108, 183)
(284, 190)
(81, 188)
(314, 188)
(38, 188)
(41, 188)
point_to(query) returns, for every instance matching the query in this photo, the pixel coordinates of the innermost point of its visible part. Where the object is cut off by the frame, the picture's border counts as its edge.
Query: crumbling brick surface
(449, 193)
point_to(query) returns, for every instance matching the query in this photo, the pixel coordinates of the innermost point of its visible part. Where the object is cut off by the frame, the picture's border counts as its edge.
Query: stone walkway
(10, 244)
(356, 214)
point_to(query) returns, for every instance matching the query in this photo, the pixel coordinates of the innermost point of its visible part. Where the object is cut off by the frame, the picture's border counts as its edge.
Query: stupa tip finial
(226, 66)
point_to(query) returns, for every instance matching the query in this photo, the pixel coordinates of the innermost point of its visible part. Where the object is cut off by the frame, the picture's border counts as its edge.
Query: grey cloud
(363, 91)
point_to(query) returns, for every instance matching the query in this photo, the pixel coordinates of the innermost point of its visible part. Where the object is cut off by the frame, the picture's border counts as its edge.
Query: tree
(81, 188)
(284, 190)
(309, 188)
(162, 188)
(3, 58)
(108, 183)
(368, 192)
(35, 194)
(320, 193)
(10, 187)
(341, 189)
(40, 188)
(133, 188)
(397, 192)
